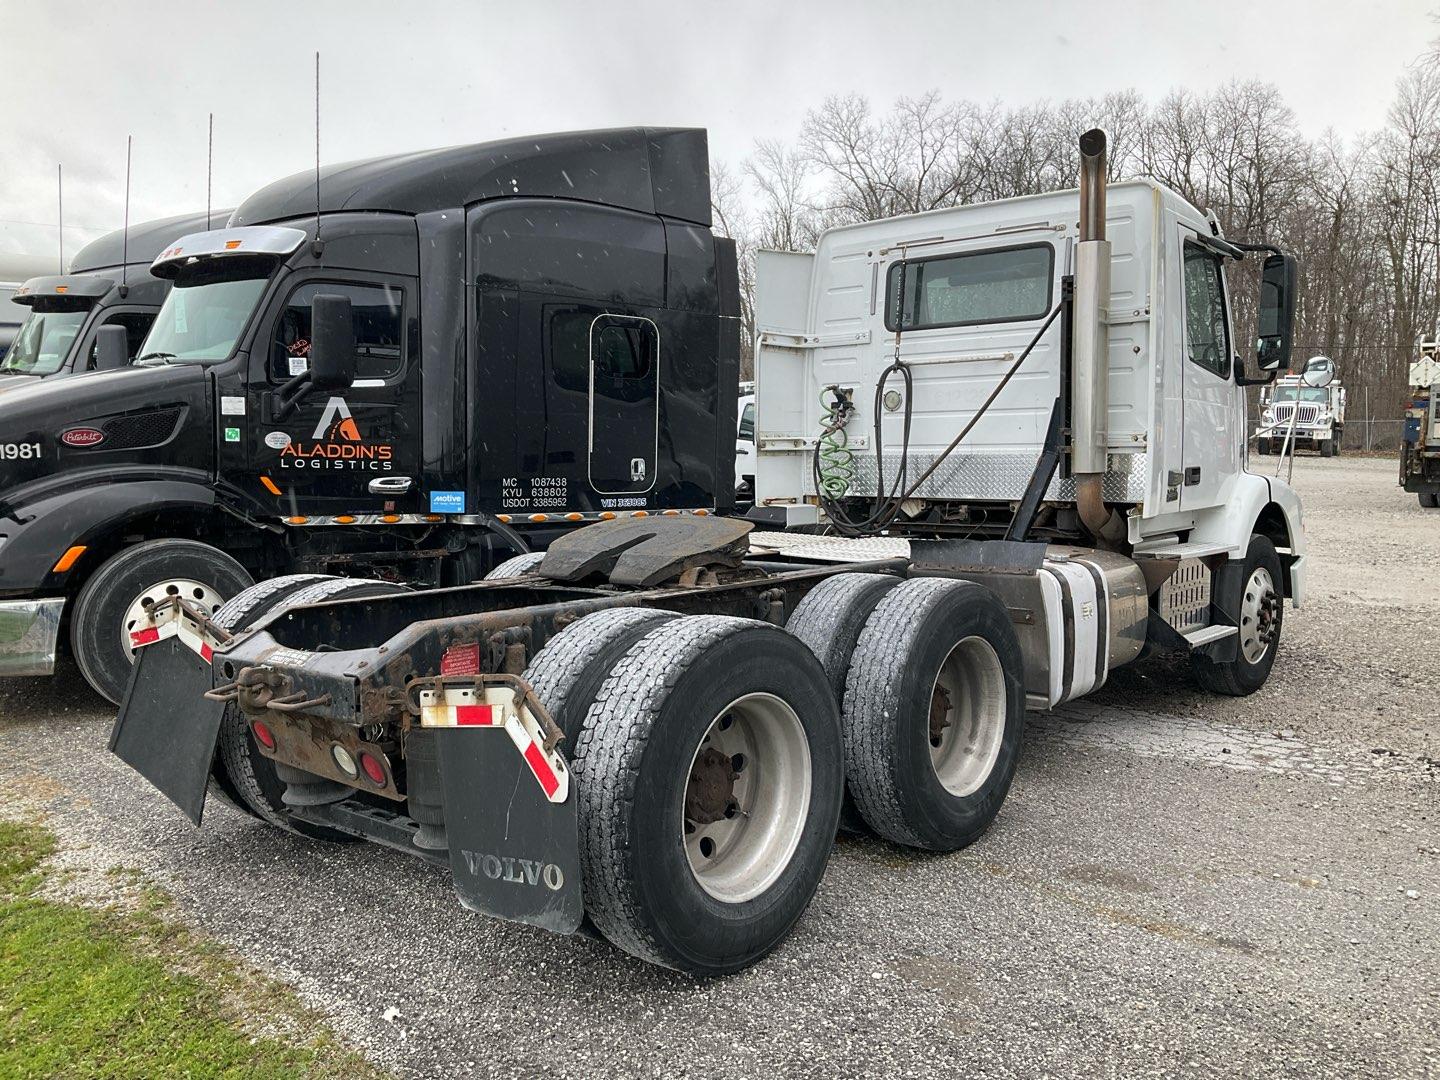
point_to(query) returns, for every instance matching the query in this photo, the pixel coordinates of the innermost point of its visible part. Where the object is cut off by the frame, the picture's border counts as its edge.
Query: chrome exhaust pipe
(1090, 352)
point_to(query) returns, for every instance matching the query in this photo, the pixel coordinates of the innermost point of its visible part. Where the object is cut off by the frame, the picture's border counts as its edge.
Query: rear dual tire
(934, 713)
(708, 770)
(246, 776)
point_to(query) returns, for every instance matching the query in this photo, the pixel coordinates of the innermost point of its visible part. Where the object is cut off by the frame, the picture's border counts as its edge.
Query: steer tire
(1262, 447)
(829, 620)
(891, 690)
(515, 566)
(1327, 448)
(1429, 500)
(569, 671)
(638, 748)
(98, 618)
(1241, 676)
(250, 774)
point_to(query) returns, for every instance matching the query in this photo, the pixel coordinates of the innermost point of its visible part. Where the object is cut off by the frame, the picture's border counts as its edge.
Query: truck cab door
(1210, 446)
(356, 453)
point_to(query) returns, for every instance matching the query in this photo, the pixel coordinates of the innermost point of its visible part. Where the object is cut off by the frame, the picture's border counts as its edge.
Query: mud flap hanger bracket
(492, 701)
(177, 617)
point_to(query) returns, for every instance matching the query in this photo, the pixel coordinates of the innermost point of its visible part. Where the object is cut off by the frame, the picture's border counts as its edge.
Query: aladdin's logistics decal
(336, 444)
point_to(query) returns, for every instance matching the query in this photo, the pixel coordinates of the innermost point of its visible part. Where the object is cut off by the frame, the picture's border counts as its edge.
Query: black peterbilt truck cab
(109, 285)
(454, 357)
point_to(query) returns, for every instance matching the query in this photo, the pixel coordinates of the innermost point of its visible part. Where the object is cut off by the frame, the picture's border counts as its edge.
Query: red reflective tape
(145, 637)
(541, 768)
(206, 652)
(474, 715)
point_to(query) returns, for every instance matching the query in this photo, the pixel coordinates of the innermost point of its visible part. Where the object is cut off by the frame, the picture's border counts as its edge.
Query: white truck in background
(1302, 414)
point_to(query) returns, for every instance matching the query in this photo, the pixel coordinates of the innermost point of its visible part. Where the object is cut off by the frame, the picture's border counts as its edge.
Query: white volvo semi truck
(1008, 444)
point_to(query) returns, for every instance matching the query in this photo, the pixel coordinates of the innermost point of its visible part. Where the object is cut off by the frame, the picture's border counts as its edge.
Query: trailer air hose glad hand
(834, 460)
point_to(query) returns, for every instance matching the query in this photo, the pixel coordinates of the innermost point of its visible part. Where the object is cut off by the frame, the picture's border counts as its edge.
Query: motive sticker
(447, 502)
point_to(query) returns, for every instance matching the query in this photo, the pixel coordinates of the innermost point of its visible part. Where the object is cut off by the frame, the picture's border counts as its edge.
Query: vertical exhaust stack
(1090, 366)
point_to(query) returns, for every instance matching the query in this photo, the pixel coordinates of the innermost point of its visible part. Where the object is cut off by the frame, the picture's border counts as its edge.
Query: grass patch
(120, 993)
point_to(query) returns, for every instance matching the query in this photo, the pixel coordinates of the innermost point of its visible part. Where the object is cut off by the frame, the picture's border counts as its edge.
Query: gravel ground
(1179, 885)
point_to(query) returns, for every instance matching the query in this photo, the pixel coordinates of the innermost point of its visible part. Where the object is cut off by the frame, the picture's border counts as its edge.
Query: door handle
(389, 485)
(1192, 476)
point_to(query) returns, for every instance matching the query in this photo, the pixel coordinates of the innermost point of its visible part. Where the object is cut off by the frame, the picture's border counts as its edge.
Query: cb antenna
(209, 169)
(125, 236)
(60, 198)
(317, 247)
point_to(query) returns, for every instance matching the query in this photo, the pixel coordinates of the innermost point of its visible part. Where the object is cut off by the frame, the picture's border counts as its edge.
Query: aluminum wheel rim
(1258, 615)
(968, 711)
(740, 855)
(196, 592)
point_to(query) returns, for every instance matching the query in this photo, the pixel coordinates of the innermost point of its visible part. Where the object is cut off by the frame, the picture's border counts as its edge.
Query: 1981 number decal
(22, 451)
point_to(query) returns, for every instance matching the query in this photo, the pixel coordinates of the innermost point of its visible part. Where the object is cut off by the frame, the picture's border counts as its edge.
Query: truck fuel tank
(1079, 613)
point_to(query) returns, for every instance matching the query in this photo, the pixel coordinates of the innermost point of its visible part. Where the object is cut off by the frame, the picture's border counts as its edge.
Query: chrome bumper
(29, 630)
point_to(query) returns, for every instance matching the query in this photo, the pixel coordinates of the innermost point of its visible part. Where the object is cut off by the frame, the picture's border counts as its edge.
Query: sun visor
(244, 242)
(63, 292)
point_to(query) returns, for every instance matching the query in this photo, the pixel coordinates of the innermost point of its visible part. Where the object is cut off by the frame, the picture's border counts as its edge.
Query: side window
(1206, 340)
(747, 423)
(623, 352)
(570, 347)
(137, 325)
(379, 330)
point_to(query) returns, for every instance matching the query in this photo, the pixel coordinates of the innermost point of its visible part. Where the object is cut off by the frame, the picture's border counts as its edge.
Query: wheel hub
(967, 716)
(1259, 616)
(746, 798)
(711, 790)
(939, 715)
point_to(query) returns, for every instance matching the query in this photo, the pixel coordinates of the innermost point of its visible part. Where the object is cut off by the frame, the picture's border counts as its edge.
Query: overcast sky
(78, 77)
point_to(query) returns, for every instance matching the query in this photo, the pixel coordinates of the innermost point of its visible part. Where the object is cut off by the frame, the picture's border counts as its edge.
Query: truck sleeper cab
(536, 333)
(655, 724)
(109, 284)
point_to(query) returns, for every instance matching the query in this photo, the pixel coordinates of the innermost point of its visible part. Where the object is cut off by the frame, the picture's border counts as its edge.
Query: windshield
(43, 343)
(202, 322)
(1318, 395)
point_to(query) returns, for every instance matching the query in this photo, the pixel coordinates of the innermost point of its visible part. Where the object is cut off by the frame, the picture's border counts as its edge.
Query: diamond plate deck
(838, 549)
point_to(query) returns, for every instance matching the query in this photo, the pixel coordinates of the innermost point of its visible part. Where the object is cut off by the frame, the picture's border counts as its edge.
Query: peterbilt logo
(82, 436)
(515, 871)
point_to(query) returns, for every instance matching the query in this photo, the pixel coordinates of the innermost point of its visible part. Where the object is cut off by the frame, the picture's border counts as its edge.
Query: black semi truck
(109, 284)
(456, 356)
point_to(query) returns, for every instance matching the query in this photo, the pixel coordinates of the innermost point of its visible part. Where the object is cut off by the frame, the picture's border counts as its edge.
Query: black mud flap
(514, 854)
(167, 729)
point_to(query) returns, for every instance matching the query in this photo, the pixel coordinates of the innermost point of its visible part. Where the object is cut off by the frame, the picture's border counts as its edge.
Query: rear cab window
(971, 288)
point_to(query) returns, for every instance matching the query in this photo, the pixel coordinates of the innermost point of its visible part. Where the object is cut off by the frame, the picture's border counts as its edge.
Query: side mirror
(332, 343)
(1319, 372)
(112, 348)
(1278, 286)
